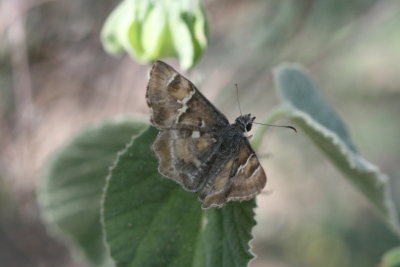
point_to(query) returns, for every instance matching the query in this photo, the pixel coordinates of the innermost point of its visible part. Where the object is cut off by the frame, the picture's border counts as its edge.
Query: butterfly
(197, 147)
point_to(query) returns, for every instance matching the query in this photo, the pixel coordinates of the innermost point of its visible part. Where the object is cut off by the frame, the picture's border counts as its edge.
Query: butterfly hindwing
(241, 178)
(176, 102)
(185, 156)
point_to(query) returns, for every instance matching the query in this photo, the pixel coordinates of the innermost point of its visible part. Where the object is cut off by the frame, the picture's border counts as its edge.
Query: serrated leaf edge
(42, 199)
(108, 178)
(354, 159)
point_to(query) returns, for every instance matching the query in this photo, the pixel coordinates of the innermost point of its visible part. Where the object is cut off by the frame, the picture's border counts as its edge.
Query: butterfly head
(245, 122)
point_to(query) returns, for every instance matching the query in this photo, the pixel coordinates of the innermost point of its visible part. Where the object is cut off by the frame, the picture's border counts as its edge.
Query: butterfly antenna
(237, 98)
(282, 126)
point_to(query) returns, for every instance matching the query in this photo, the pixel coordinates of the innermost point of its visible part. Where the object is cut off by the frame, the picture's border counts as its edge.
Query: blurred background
(56, 78)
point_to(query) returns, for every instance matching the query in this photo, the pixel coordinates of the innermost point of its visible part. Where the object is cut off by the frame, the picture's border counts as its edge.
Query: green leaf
(391, 258)
(154, 29)
(156, 35)
(199, 31)
(73, 182)
(188, 26)
(181, 36)
(324, 127)
(151, 221)
(228, 233)
(110, 36)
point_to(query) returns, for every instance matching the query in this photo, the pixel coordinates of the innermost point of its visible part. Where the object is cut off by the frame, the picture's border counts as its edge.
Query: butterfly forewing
(176, 102)
(189, 123)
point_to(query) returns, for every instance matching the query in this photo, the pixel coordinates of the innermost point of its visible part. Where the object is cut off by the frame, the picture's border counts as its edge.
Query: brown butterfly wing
(185, 158)
(241, 178)
(176, 102)
(189, 123)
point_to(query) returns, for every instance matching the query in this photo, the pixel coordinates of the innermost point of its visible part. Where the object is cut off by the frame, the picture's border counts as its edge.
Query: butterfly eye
(248, 127)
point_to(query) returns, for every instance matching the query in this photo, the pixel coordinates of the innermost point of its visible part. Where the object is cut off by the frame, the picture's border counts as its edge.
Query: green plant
(106, 197)
(144, 214)
(149, 30)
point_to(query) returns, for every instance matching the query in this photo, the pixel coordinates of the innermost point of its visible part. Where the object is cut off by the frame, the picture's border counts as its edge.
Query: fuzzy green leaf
(391, 258)
(307, 108)
(228, 233)
(73, 182)
(151, 221)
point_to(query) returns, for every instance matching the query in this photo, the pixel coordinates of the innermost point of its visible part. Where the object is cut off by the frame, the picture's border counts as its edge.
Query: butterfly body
(196, 146)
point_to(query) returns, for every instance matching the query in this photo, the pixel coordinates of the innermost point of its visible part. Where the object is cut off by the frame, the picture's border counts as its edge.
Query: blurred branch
(13, 17)
(5, 24)
(12, 30)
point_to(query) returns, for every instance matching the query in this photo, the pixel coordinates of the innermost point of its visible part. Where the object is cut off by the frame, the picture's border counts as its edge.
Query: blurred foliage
(7, 107)
(325, 128)
(392, 258)
(333, 242)
(317, 26)
(149, 30)
(73, 184)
